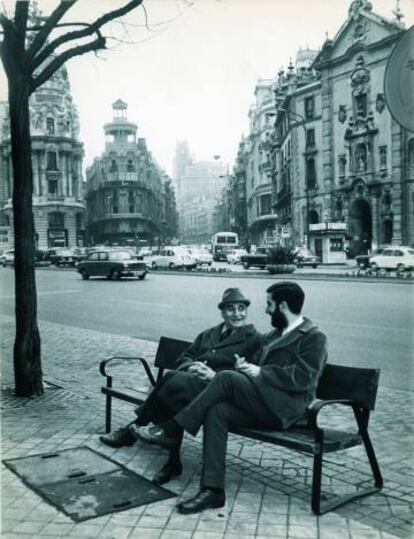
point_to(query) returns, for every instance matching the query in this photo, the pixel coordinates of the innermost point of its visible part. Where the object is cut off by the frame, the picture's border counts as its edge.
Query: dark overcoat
(219, 354)
(290, 367)
(178, 387)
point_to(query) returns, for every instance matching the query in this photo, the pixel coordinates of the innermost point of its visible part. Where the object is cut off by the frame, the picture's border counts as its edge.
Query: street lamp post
(299, 121)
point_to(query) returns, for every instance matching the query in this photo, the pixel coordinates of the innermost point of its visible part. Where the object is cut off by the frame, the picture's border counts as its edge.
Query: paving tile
(28, 526)
(172, 534)
(57, 529)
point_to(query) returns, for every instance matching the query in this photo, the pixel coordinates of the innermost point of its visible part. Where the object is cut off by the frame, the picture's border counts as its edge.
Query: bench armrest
(316, 406)
(141, 360)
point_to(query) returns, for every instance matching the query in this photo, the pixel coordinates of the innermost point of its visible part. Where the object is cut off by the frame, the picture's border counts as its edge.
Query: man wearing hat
(273, 392)
(212, 351)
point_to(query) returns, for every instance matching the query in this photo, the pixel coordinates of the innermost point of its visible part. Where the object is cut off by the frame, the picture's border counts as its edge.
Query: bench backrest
(340, 382)
(168, 352)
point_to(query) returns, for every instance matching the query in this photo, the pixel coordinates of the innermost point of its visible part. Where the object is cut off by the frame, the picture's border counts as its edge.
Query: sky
(191, 75)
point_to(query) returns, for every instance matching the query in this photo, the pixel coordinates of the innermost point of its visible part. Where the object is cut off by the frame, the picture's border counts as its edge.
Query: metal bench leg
(316, 481)
(362, 420)
(108, 406)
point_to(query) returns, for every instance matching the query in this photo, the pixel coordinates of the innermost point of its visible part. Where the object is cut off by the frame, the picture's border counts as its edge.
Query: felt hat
(233, 295)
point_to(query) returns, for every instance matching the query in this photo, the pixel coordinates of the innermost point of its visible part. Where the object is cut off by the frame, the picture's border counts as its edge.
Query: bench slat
(302, 439)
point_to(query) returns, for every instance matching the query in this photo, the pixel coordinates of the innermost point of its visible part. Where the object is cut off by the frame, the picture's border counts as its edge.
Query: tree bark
(27, 357)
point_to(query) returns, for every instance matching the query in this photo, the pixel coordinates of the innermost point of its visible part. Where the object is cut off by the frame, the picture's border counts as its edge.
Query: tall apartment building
(201, 183)
(57, 153)
(128, 197)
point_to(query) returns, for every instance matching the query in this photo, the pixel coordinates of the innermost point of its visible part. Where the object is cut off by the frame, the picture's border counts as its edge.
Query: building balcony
(262, 189)
(262, 220)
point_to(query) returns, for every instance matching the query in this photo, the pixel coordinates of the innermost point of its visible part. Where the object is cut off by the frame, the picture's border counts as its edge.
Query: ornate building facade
(57, 153)
(128, 197)
(323, 146)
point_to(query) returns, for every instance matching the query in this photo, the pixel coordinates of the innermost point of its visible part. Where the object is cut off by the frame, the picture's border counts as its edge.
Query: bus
(222, 243)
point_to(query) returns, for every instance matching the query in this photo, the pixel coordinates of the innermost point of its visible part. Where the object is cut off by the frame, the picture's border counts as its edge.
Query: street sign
(399, 81)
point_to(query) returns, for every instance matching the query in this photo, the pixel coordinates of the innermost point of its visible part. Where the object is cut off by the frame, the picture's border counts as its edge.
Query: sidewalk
(267, 487)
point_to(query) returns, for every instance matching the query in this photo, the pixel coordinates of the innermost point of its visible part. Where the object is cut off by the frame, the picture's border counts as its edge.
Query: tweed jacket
(219, 354)
(290, 367)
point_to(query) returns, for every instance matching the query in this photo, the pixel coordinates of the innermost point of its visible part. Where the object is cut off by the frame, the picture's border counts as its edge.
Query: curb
(255, 274)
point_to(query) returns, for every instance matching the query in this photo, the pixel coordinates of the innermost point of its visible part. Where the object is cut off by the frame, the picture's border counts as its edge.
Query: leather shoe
(204, 499)
(118, 438)
(168, 472)
(155, 435)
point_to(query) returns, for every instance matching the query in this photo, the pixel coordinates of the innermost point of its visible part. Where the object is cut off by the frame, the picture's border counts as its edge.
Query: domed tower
(57, 155)
(124, 187)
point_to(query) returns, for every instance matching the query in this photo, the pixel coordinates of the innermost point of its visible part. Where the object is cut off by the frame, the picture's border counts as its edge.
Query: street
(367, 324)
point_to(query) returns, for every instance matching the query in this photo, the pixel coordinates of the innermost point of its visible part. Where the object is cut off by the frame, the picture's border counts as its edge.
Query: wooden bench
(351, 387)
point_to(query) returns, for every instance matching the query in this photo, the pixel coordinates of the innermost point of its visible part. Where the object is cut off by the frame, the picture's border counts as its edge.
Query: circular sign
(399, 81)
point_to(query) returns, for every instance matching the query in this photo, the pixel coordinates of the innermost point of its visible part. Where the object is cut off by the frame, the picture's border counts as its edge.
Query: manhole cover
(84, 484)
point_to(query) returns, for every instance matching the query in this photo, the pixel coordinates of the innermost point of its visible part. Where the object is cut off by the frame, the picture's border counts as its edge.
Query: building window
(115, 202)
(309, 105)
(114, 166)
(56, 219)
(130, 166)
(383, 156)
(411, 152)
(310, 173)
(131, 209)
(51, 161)
(79, 221)
(52, 187)
(310, 138)
(50, 126)
(265, 205)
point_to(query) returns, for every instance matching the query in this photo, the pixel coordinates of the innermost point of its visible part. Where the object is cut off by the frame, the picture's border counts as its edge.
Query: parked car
(258, 259)
(7, 257)
(202, 256)
(363, 261)
(62, 256)
(306, 258)
(112, 264)
(398, 258)
(171, 258)
(234, 257)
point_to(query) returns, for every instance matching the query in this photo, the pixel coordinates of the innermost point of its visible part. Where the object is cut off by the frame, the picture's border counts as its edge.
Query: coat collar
(238, 335)
(277, 340)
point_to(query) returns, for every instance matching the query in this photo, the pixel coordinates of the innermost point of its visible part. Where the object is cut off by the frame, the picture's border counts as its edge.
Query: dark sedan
(307, 259)
(112, 265)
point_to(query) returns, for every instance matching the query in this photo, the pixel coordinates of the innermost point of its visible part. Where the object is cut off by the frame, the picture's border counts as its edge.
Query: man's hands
(250, 369)
(201, 370)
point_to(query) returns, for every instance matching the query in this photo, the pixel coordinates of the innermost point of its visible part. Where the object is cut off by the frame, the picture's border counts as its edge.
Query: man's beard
(278, 320)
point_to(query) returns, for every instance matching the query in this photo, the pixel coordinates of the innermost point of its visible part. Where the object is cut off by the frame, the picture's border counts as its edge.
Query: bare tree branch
(20, 18)
(48, 27)
(87, 32)
(58, 62)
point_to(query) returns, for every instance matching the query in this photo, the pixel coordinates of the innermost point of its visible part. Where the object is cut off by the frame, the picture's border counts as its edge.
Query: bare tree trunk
(27, 358)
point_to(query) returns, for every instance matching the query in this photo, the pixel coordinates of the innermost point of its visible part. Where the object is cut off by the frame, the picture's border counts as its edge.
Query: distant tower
(182, 160)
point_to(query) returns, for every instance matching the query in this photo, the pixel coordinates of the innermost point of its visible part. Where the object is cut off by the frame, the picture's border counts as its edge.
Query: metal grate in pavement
(53, 394)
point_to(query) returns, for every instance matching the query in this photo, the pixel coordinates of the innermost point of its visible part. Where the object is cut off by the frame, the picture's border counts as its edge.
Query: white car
(145, 251)
(398, 258)
(234, 257)
(171, 258)
(202, 256)
(7, 257)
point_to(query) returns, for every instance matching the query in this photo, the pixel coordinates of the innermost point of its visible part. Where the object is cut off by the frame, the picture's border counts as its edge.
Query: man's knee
(227, 378)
